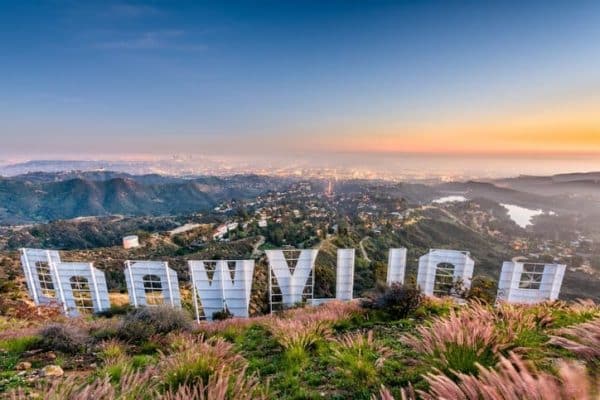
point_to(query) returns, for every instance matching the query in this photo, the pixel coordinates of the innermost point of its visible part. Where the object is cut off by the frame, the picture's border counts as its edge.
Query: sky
(122, 79)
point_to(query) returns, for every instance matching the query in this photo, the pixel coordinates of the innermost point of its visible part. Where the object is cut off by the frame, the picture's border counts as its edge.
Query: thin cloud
(58, 98)
(163, 39)
(132, 10)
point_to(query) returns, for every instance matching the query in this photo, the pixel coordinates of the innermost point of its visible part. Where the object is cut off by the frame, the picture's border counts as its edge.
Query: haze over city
(335, 83)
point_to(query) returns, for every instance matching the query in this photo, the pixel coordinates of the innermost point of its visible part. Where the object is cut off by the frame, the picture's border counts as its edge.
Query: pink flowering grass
(512, 380)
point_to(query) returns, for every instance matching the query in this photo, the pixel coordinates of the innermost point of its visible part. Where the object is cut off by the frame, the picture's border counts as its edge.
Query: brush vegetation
(397, 345)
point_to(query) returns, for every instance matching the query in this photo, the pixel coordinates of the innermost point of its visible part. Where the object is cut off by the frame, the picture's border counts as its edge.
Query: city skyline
(146, 80)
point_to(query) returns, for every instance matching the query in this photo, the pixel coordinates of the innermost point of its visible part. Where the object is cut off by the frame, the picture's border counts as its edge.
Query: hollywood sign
(226, 284)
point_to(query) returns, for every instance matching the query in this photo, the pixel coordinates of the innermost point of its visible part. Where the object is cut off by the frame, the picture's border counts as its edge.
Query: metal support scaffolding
(291, 277)
(152, 283)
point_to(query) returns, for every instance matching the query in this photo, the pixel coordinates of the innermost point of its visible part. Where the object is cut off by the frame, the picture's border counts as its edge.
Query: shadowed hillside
(45, 197)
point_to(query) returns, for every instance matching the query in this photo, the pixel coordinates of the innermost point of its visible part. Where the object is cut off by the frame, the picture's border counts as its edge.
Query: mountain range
(41, 197)
(46, 196)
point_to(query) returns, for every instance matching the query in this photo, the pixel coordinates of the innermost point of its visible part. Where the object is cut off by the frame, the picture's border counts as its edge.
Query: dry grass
(582, 339)
(191, 367)
(301, 328)
(359, 359)
(204, 369)
(472, 330)
(328, 314)
(133, 385)
(331, 312)
(362, 344)
(118, 299)
(516, 318)
(294, 334)
(190, 357)
(585, 308)
(112, 351)
(231, 326)
(222, 385)
(513, 380)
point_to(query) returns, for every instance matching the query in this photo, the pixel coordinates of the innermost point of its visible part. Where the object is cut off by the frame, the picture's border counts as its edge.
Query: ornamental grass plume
(302, 328)
(361, 345)
(297, 334)
(515, 321)
(460, 340)
(192, 367)
(331, 312)
(587, 308)
(194, 359)
(519, 317)
(514, 380)
(112, 350)
(222, 385)
(231, 325)
(359, 358)
(582, 339)
(132, 385)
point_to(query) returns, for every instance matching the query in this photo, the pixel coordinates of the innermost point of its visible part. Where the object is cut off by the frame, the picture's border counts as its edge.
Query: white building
(440, 270)
(220, 231)
(223, 229)
(291, 276)
(152, 283)
(130, 242)
(227, 287)
(522, 282)
(396, 266)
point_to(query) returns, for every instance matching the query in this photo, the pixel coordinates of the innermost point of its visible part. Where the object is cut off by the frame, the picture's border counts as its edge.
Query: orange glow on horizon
(556, 132)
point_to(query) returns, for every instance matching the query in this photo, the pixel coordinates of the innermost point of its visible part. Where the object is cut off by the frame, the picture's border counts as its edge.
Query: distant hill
(549, 193)
(41, 197)
(490, 191)
(563, 184)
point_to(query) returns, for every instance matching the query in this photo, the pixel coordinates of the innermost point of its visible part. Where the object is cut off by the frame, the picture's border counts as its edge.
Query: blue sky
(199, 77)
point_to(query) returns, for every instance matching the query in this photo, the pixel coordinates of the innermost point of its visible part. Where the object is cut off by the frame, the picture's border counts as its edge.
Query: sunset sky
(469, 77)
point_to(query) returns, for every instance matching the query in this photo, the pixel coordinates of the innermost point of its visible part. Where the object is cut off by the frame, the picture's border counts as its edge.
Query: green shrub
(141, 361)
(198, 361)
(435, 307)
(398, 301)
(359, 359)
(140, 324)
(222, 315)
(64, 338)
(461, 340)
(114, 311)
(20, 344)
(116, 370)
(105, 333)
(483, 289)
(8, 361)
(111, 350)
(465, 359)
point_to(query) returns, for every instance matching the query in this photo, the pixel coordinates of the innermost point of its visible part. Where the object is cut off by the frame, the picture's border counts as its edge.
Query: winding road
(362, 249)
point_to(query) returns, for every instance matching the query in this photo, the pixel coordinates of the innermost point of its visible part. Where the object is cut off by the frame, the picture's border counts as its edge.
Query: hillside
(397, 345)
(581, 184)
(41, 197)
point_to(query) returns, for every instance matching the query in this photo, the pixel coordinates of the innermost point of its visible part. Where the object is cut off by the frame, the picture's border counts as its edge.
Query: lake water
(521, 215)
(450, 199)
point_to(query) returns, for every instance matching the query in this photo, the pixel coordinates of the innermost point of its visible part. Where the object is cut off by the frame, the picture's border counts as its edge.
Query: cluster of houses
(217, 285)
